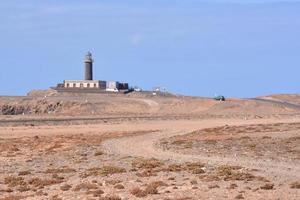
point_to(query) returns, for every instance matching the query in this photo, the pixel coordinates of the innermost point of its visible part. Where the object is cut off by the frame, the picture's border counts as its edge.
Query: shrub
(104, 171)
(41, 183)
(24, 173)
(146, 163)
(119, 186)
(98, 153)
(113, 197)
(267, 186)
(13, 181)
(138, 192)
(85, 186)
(295, 185)
(65, 187)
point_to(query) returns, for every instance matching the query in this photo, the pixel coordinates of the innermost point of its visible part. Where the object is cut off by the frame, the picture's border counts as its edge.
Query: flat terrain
(140, 146)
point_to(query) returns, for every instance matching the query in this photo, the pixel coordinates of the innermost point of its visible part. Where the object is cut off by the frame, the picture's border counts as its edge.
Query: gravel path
(146, 146)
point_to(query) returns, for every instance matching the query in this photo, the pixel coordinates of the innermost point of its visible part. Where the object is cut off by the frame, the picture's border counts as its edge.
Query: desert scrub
(119, 187)
(13, 181)
(295, 185)
(193, 168)
(65, 187)
(103, 171)
(85, 186)
(13, 197)
(146, 163)
(180, 198)
(267, 186)
(113, 197)
(95, 193)
(23, 188)
(230, 173)
(146, 167)
(239, 196)
(98, 153)
(149, 190)
(24, 173)
(41, 183)
(138, 192)
(60, 170)
(113, 182)
(175, 168)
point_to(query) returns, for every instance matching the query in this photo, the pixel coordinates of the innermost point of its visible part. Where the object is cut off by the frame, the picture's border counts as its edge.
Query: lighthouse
(88, 63)
(88, 85)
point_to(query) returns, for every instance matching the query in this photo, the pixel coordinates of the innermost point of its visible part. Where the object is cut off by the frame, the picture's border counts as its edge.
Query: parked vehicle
(112, 90)
(219, 98)
(137, 89)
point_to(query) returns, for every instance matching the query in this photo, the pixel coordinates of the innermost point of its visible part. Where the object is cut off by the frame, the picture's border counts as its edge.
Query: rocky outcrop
(41, 107)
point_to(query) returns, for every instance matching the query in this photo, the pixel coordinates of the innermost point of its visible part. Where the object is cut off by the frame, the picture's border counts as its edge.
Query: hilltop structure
(88, 84)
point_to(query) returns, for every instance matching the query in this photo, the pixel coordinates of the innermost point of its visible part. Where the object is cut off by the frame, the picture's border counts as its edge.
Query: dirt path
(145, 146)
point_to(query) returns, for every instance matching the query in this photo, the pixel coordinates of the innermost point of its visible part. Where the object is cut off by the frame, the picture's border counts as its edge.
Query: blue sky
(193, 47)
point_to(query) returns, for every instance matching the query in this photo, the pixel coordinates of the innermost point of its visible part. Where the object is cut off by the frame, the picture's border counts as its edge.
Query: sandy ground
(169, 148)
(126, 159)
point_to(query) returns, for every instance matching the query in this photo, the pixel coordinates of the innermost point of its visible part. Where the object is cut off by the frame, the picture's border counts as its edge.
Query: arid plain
(140, 146)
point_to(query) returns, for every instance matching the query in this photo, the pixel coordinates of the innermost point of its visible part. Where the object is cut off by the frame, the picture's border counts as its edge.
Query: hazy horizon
(190, 47)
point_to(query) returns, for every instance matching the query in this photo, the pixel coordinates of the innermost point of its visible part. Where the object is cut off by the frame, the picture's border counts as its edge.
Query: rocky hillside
(52, 103)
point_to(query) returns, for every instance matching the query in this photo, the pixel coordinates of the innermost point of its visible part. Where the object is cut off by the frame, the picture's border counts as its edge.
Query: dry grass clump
(230, 173)
(157, 184)
(119, 187)
(8, 190)
(183, 143)
(13, 181)
(180, 198)
(103, 171)
(98, 153)
(146, 163)
(113, 197)
(41, 183)
(138, 192)
(63, 170)
(24, 173)
(194, 168)
(7, 146)
(209, 177)
(175, 168)
(56, 176)
(213, 186)
(295, 185)
(41, 193)
(108, 170)
(85, 186)
(65, 187)
(149, 167)
(55, 197)
(225, 168)
(232, 186)
(150, 189)
(13, 197)
(113, 182)
(23, 188)
(146, 173)
(239, 196)
(267, 186)
(95, 193)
